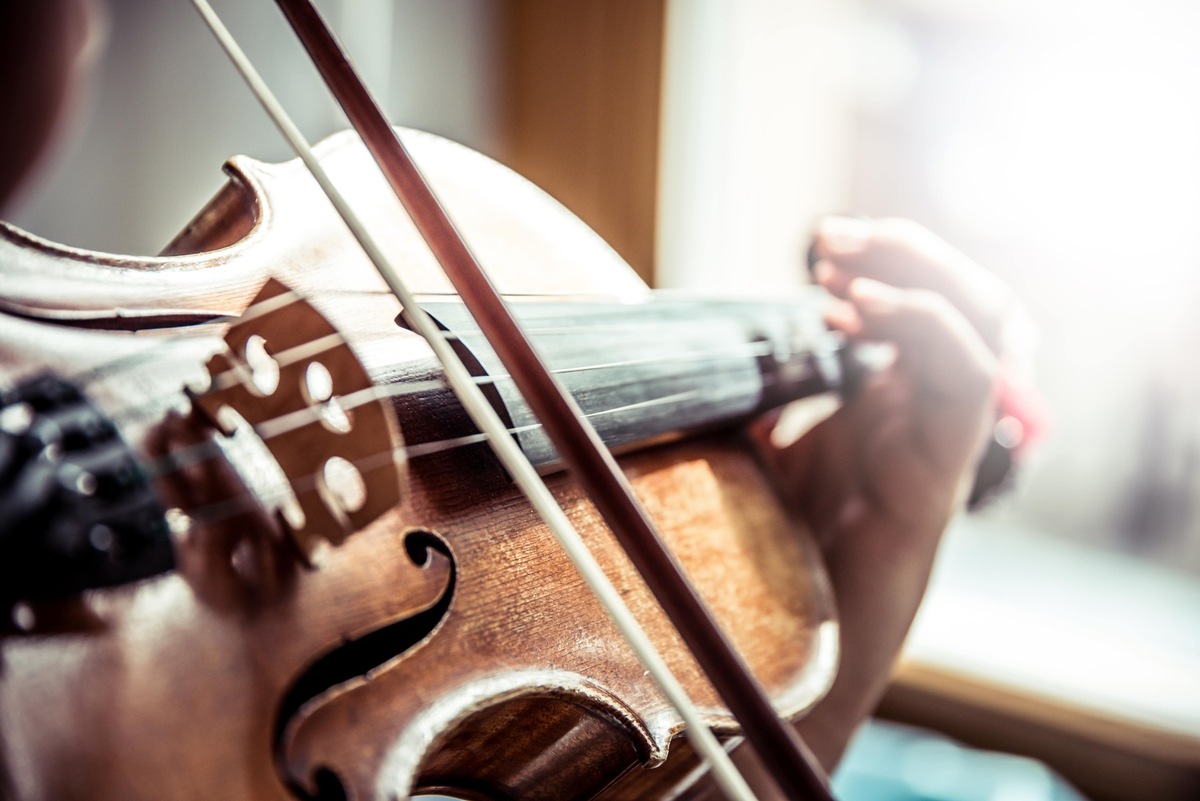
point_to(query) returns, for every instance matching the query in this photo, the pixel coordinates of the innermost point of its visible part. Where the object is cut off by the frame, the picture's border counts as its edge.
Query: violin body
(447, 646)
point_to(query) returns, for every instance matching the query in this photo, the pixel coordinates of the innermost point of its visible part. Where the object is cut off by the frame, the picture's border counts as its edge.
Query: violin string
(115, 366)
(218, 511)
(292, 355)
(733, 351)
(487, 420)
(118, 365)
(190, 455)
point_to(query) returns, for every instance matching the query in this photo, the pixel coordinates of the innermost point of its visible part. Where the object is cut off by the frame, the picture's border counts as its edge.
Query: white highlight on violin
(489, 422)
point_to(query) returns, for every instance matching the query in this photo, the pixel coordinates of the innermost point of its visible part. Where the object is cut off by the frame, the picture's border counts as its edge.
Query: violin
(359, 604)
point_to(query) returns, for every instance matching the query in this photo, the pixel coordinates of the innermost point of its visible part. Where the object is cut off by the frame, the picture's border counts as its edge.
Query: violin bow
(788, 760)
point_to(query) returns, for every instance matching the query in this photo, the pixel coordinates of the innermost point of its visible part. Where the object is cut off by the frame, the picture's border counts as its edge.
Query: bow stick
(788, 760)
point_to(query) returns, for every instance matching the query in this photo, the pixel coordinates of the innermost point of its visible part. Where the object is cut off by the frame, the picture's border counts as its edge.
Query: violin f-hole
(356, 658)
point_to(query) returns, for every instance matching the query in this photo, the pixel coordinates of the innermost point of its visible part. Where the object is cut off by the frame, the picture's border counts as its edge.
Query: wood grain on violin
(448, 644)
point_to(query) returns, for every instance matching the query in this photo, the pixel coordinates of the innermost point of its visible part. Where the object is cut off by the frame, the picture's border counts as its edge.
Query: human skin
(879, 480)
(46, 47)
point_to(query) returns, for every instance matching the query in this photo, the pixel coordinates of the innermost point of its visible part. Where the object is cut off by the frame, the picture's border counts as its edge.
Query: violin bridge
(291, 376)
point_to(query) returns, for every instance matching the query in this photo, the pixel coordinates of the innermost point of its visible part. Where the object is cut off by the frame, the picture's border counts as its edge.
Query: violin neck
(651, 370)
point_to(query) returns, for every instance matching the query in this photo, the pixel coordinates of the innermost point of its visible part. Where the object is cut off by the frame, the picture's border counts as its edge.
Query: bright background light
(1056, 142)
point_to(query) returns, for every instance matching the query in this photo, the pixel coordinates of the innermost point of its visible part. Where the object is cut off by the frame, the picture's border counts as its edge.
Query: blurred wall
(757, 134)
(580, 92)
(166, 109)
(1059, 145)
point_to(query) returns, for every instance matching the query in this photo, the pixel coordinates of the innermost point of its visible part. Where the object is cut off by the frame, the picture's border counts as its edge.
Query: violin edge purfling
(178, 650)
(789, 763)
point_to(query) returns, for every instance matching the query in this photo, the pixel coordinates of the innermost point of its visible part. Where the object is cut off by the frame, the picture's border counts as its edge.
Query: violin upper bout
(271, 219)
